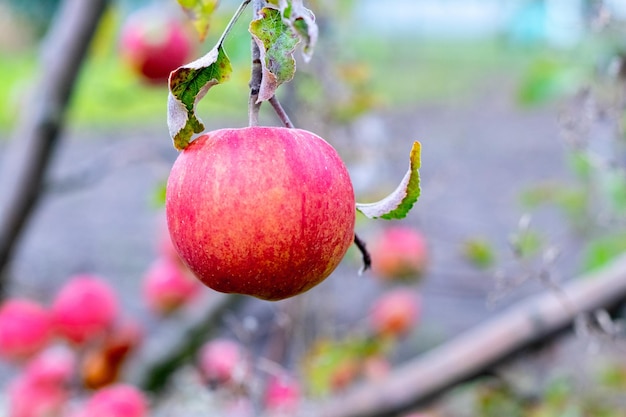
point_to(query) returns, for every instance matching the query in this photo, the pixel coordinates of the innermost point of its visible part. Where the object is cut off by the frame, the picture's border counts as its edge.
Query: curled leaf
(276, 42)
(188, 84)
(397, 204)
(200, 12)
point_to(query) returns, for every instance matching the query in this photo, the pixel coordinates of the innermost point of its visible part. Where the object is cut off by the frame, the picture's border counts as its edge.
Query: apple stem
(367, 259)
(280, 111)
(257, 73)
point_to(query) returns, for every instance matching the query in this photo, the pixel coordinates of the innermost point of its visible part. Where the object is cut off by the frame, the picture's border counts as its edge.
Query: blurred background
(519, 106)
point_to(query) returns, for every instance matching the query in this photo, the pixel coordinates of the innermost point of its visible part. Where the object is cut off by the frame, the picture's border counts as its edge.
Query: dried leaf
(188, 84)
(397, 204)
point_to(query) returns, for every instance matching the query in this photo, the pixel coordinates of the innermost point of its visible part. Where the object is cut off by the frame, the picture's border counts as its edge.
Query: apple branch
(37, 133)
(539, 318)
(257, 72)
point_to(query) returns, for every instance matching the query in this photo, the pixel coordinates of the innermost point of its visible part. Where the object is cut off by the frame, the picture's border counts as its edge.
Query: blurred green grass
(402, 72)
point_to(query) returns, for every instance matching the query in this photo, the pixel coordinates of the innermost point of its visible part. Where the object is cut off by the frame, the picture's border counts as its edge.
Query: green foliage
(548, 79)
(201, 13)
(397, 204)
(526, 243)
(479, 253)
(599, 252)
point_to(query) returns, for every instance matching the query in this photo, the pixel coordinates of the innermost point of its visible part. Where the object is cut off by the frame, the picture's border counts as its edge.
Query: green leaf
(601, 251)
(398, 204)
(301, 20)
(479, 253)
(188, 84)
(277, 42)
(200, 12)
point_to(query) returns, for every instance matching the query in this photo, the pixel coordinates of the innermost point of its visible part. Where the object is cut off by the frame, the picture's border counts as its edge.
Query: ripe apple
(399, 253)
(395, 312)
(53, 366)
(25, 328)
(84, 308)
(262, 211)
(28, 397)
(221, 361)
(154, 44)
(168, 286)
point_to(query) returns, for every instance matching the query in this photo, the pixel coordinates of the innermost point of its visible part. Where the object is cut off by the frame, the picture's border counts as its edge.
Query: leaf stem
(280, 111)
(257, 73)
(233, 20)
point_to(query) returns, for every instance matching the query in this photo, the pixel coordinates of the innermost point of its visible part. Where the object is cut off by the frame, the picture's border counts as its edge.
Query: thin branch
(233, 20)
(37, 133)
(257, 73)
(538, 318)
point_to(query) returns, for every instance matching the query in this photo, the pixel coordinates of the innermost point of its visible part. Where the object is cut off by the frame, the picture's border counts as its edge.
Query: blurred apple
(29, 397)
(120, 400)
(25, 328)
(282, 395)
(155, 43)
(54, 366)
(84, 308)
(395, 313)
(399, 253)
(167, 285)
(222, 361)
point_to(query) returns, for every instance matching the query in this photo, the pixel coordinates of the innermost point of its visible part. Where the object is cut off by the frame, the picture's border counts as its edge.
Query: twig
(38, 131)
(538, 318)
(233, 20)
(257, 73)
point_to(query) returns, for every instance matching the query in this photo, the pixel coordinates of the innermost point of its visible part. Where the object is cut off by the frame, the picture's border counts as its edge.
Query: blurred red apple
(28, 397)
(282, 395)
(84, 308)
(25, 328)
(222, 361)
(53, 366)
(262, 211)
(119, 400)
(399, 253)
(154, 43)
(395, 313)
(167, 285)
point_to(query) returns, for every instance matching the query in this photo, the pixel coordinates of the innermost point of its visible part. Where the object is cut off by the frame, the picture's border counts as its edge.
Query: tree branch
(177, 339)
(280, 112)
(37, 133)
(257, 73)
(535, 319)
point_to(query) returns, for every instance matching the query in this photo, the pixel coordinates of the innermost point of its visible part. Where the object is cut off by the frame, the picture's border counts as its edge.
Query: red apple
(25, 328)
(168, 286)
(395, 313)
(53, 366)
(399, 252)
(222, 362)
(154, 44)
(84, 308)
(119, 400)
(263, 211)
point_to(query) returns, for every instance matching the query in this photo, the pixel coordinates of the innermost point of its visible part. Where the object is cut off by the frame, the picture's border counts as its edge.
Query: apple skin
(262, 211)
(154, 44)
